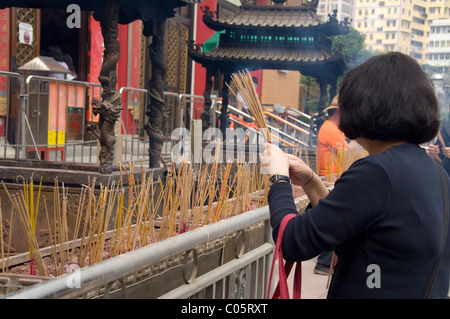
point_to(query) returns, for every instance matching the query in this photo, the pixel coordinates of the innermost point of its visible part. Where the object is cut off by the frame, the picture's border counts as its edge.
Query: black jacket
(385, 215)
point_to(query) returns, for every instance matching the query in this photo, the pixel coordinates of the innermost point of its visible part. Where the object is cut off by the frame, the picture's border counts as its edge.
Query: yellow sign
(52, 138)
(3, 104)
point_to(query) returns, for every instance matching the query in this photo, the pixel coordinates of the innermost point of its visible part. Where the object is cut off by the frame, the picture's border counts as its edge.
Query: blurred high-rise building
(344, 9)
(399, 25)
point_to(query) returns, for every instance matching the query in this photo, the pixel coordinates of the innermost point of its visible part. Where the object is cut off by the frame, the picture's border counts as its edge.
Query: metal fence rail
(41, 126)
(244, 276)
(135, 137)
(59, 109)
(52, 116)
(176, 112)
(15, 88)
(281, 136)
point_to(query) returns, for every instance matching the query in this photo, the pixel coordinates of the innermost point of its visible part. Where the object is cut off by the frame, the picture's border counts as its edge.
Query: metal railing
(14, 88)
(280, 135)
(41, 126)
(290, 111)
(300, 113)
(29, 102)
(45, 126)
(176, 112)
(296, 121)
(244, 276)
(133, 119)
(296, 130)
(63, 118)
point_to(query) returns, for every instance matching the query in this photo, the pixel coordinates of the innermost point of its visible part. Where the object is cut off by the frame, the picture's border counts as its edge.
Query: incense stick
(244, 83)
(184, 207)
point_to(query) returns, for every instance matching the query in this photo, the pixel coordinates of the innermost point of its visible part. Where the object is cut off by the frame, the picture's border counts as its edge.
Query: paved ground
(313, 286)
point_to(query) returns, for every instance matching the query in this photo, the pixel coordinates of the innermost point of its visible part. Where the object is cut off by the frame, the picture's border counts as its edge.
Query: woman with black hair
(384, 217)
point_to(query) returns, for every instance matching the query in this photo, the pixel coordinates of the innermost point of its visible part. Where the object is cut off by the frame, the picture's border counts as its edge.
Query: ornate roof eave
(218, 62)
(330, 28)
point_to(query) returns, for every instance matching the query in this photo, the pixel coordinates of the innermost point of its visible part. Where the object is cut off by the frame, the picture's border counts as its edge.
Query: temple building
(275, 37)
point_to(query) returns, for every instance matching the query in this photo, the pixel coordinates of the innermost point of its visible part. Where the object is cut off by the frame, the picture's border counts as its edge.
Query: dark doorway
(71, 41)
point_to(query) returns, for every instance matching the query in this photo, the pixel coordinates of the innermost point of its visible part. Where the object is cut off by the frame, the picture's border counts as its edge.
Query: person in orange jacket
(330, 140)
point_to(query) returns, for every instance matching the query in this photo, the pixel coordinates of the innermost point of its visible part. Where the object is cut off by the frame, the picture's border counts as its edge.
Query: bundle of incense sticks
(113, 219)
(244, 83)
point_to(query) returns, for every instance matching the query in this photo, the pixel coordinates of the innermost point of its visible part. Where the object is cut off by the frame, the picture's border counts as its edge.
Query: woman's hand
(274, 161)
(433, 151)
(446, 151)
(299, 172)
